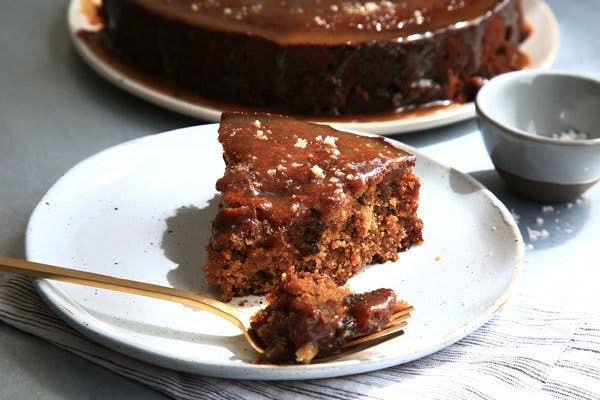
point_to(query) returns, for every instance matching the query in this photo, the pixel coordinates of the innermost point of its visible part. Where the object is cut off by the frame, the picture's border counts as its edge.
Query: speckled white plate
(541, 48)
(141, 210)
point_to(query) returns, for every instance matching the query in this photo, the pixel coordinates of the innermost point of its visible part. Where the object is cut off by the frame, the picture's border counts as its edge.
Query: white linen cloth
(528, 350)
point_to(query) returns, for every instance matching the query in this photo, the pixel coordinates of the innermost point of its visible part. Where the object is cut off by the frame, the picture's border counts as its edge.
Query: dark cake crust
(368, 71)
(309, 196)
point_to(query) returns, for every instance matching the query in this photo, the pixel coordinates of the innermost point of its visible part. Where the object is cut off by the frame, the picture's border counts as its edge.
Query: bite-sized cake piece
(306, 195)
(309, 316)
(318, 57)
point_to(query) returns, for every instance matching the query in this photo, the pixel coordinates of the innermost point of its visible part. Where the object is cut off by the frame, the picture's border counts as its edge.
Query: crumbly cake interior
(309, 316)
(307, 196)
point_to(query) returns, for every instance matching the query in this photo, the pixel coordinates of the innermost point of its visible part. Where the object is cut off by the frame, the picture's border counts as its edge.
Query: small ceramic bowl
(542, 132)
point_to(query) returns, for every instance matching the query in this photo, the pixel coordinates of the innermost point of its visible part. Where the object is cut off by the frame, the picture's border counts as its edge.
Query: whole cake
(306, 195)
(319, 57)
(308, 316)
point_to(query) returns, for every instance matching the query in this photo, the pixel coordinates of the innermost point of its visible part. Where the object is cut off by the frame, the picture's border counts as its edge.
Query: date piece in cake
(318, 57)
(308, 316)
(306, 195)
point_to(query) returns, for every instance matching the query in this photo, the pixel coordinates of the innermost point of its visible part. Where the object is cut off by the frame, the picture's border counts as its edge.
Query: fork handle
(45, 271)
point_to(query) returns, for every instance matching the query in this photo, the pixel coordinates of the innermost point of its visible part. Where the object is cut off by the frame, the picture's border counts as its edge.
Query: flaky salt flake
(319, 21)
(539, 221)
(261, 135)
(570, 134)
(330, 140)
(515, 216)
(317, 171)
(301, 143)
(534, 234)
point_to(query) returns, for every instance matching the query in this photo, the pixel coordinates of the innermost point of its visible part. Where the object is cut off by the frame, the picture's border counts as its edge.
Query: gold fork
(45, 271)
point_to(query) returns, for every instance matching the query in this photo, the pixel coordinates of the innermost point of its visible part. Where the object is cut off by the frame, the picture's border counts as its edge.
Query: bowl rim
(519, 133)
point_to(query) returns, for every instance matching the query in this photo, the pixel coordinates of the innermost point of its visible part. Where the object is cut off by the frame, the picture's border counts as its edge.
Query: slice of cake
(308, 316)
(309, 196)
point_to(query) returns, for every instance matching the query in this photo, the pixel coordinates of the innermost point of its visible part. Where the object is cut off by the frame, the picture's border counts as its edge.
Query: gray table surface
(55, 111)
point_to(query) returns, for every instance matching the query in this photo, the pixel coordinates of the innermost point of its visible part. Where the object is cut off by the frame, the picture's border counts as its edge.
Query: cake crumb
(257, 123)
(242, 303)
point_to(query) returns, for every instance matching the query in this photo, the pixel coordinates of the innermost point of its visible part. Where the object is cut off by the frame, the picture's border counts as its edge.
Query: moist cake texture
(308, 316)
(319, 57)
(308, 196)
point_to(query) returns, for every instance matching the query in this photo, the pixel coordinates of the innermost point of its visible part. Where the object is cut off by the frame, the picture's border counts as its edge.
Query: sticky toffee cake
(309, 316)
(308, 196)
(326, 57)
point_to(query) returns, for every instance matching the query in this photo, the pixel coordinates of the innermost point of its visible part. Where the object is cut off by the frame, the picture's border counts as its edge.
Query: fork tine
(392, 330)
(396, 328)
(403, 314)
(395, 325)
